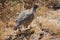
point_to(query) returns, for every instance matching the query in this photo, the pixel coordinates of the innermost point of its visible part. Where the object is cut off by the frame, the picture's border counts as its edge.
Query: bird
(25, 15)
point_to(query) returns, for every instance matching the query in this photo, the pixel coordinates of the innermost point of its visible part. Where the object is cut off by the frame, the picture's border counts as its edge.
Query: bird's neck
(33, 9)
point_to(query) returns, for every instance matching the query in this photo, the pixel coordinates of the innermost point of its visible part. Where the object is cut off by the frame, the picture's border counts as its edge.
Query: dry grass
(48, 18)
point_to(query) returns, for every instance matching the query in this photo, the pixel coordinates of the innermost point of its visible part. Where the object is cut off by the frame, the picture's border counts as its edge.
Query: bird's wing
(20, 17)
(23, 15)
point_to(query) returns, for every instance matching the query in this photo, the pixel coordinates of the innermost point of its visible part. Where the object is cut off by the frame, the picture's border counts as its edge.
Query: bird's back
(24, 14)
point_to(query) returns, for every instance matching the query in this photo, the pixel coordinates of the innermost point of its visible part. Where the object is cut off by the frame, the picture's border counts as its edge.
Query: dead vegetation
(45, 26)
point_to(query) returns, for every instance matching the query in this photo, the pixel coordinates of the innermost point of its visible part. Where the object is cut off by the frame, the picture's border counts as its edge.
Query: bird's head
(36, 5)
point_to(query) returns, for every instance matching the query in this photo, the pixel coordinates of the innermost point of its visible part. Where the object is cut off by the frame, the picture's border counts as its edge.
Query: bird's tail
(17, 26)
